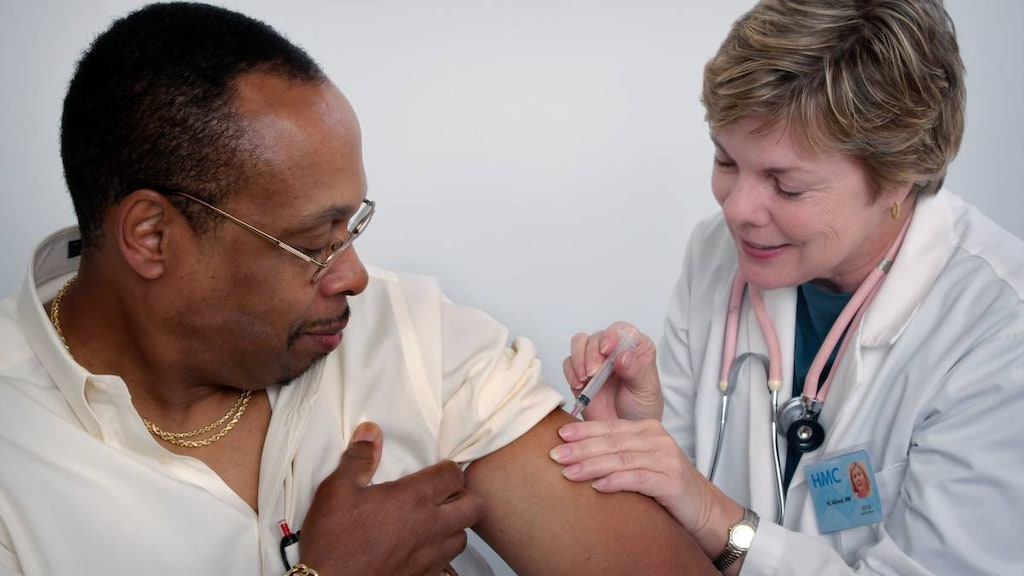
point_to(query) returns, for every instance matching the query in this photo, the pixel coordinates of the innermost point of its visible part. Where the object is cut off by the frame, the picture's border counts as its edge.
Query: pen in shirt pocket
(289, 545)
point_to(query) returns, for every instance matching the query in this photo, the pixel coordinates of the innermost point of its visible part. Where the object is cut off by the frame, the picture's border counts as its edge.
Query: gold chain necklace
(182, 439)
(55, 310)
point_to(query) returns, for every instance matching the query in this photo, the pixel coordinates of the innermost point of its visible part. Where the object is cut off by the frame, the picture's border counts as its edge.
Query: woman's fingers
(582, 430)
(577, 356)
(635, 456)
(608, 464)
(588, 351)
(593, 439)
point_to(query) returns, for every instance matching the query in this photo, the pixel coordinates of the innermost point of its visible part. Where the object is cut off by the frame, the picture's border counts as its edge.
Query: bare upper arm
(541, 523)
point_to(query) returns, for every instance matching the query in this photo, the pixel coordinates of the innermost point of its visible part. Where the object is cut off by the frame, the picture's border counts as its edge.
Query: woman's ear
(142, 229)
(897, 193)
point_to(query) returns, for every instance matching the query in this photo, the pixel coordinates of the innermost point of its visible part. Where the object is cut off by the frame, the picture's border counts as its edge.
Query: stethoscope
(797, 418)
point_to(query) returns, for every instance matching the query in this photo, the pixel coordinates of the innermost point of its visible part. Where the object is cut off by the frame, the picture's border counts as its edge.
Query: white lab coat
(933, 389)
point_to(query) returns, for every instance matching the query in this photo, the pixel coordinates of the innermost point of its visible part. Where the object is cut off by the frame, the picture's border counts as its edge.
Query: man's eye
(324, 251)
(316, 253)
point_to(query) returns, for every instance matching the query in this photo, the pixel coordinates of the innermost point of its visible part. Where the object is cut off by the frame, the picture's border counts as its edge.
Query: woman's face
(859, 479)
(798, 216)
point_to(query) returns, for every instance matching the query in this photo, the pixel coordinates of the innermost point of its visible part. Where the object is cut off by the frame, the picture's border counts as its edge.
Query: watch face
(742, 535)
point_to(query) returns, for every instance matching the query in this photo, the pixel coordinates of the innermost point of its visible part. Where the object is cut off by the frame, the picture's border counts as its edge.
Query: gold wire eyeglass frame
(357, 225)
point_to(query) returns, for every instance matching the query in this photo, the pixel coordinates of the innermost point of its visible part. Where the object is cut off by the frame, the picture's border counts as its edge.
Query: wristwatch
(741, 536)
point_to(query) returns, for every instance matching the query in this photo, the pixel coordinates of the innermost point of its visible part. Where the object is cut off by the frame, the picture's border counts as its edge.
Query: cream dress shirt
(85, 489)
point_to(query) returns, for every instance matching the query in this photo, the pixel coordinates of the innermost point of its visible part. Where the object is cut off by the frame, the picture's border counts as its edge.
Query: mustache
(339, 320)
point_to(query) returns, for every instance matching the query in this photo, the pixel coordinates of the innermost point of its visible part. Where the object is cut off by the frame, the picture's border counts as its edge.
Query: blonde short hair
(878, 80)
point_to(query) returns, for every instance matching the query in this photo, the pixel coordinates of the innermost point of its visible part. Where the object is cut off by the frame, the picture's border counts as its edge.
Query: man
(174, 392)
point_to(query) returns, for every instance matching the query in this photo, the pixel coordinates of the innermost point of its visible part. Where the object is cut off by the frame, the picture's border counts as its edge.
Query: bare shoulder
(541, 523)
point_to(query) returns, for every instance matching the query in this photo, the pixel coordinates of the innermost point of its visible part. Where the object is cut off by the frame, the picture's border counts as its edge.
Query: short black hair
(151, 103)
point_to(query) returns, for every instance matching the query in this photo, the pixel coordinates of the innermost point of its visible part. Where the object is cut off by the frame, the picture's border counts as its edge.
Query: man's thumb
(361, 458)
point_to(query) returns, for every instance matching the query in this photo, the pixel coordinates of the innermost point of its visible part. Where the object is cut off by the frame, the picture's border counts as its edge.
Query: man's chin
(294, 375)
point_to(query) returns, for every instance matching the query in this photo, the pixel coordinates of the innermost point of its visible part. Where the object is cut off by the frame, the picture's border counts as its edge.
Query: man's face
(256, 318)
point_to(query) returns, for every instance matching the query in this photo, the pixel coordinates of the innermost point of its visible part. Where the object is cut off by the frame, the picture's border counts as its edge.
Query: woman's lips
(761, 251)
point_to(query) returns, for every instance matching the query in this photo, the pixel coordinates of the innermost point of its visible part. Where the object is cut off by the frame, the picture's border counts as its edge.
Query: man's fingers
(435, 484)
(360, 460)
(452, 547)
(441, 487)
(463, 509)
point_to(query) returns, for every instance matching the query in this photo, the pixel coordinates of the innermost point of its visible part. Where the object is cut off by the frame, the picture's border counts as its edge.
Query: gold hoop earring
(894, 211)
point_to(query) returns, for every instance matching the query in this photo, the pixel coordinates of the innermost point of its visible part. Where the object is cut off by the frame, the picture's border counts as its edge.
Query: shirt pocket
(890, 481)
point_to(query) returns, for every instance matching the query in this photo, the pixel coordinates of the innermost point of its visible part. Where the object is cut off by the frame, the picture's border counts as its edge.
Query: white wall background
(545, 158)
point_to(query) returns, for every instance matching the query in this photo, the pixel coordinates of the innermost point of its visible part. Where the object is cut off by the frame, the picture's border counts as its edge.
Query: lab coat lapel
(708, 398)
(918, 263)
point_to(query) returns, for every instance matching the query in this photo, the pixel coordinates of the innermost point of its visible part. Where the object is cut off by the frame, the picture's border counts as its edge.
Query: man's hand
(415, 525)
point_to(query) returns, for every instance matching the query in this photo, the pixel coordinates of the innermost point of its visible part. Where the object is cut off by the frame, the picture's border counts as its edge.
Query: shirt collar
(53, 263)
(929, 244)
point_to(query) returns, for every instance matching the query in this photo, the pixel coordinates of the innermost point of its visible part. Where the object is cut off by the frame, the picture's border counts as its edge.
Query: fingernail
(599, 484)
(571, 472)
(365, 432)
(559, 453)
(566, 432)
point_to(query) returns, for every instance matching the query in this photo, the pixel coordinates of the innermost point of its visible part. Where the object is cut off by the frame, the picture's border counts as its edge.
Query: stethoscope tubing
(731, 379)
(812, 397)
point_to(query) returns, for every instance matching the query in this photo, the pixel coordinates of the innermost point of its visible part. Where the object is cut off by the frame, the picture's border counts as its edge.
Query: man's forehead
(296, 210)
(315, 217)
(263, 96)
(307, 147)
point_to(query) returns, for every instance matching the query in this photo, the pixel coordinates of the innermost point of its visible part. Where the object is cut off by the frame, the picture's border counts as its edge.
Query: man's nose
(344, 275)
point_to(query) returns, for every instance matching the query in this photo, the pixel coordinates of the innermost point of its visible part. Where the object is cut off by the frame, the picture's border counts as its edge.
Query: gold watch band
(741, 535)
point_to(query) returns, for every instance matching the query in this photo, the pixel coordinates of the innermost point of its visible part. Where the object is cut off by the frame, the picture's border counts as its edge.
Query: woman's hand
(633, 391)
(641, 456)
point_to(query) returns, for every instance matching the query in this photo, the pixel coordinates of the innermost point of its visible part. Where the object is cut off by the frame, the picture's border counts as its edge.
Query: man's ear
(142, 224)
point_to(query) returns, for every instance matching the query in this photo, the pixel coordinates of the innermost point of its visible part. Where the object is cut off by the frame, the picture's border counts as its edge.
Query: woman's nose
(746, 202)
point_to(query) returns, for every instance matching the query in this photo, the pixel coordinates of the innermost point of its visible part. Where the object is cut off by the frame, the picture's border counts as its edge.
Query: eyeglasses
(356, 226)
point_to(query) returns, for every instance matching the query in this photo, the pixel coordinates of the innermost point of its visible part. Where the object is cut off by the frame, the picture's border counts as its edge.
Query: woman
(890, 310)
(859, 479)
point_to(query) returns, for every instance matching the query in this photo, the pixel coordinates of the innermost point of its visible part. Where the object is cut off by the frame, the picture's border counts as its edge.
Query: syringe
(627, 340)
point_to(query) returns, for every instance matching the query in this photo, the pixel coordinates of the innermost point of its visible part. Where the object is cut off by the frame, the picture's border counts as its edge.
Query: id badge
(844, 491)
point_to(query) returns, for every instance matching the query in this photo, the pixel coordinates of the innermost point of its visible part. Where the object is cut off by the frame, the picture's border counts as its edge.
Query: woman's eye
(785, 193)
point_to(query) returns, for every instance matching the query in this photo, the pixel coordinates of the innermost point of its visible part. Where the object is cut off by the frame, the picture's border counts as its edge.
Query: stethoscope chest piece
(798, 420)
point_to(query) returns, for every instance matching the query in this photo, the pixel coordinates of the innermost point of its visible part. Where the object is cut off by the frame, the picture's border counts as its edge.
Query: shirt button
(166, 460)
